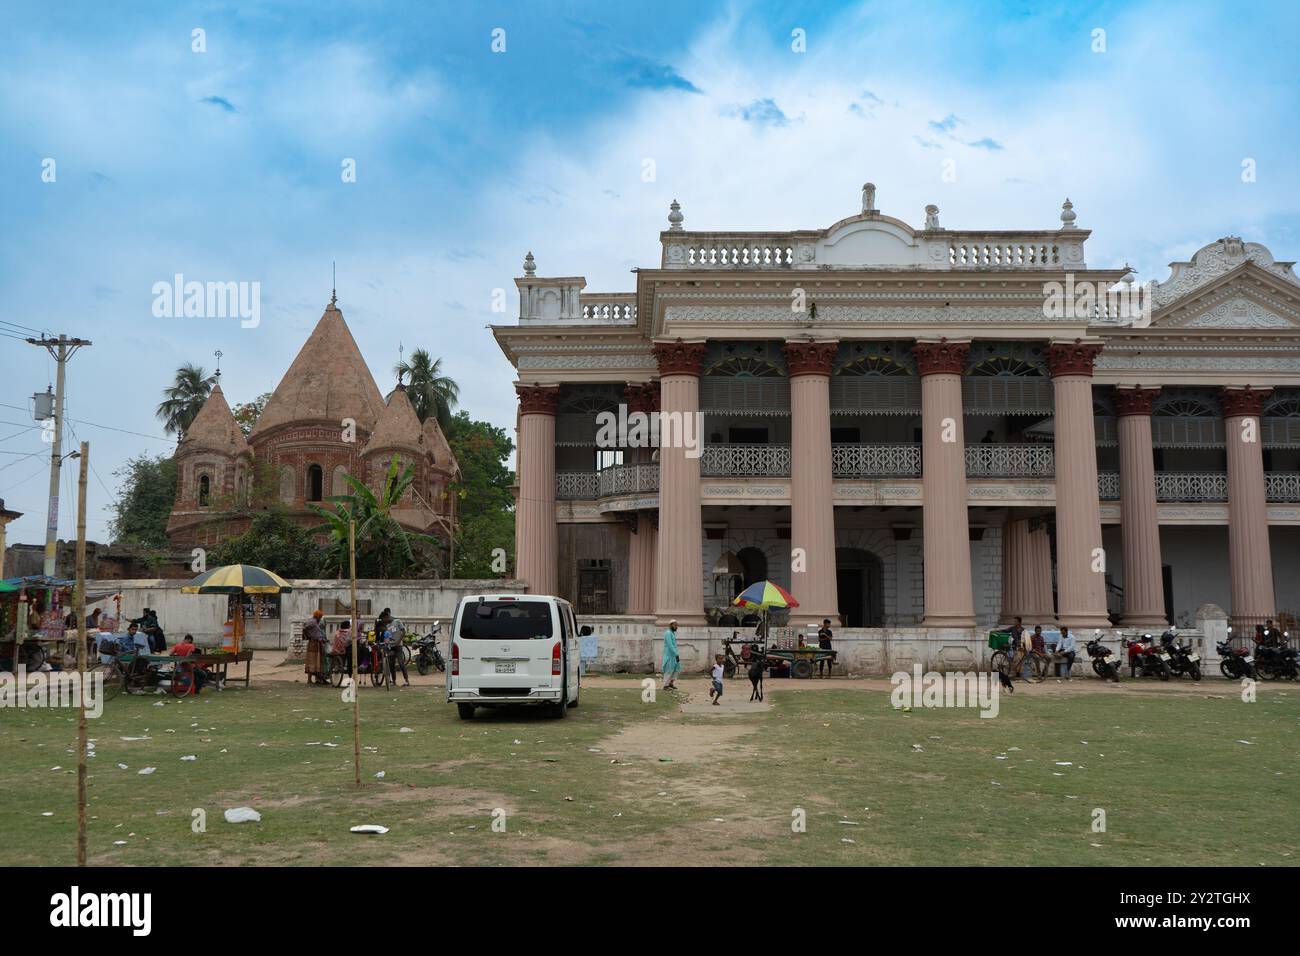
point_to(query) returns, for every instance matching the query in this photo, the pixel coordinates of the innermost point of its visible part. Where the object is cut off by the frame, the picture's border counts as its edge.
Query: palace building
(916, 428)
(326, 419)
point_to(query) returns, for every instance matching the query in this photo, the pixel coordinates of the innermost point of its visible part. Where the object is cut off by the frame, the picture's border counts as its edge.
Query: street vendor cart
(801, 660)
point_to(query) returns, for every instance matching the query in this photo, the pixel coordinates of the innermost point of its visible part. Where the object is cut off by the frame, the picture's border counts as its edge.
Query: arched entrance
(859, 587)
(754, 562)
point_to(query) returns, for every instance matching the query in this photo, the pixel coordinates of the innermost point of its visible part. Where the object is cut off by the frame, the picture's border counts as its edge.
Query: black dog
(1009, 687)
(756, 678)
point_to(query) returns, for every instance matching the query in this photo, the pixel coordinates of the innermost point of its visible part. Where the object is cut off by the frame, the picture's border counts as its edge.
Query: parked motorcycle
(1146, 658)
(1182, 660)
(1236, 662)
(427, 655)
(1104, 663)
(1278, 661)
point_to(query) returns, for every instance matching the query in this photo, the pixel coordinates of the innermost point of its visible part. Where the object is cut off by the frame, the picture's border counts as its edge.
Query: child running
(715, 692)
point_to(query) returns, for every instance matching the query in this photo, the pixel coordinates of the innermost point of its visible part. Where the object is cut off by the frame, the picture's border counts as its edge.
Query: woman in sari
(315, 638)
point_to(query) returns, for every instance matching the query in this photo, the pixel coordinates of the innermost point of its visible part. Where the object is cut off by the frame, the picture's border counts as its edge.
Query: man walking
(672, 662)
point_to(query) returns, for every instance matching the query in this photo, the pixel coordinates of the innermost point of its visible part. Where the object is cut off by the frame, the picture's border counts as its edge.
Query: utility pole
(62, 349)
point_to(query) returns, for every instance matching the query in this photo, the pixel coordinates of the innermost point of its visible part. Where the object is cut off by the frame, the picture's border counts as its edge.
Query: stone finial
(932, 217)
(1068, 215)
(675, 217)
(869, 198)
(530, 265)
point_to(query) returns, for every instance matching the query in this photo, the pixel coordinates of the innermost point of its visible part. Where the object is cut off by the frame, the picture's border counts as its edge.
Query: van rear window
(506, 621)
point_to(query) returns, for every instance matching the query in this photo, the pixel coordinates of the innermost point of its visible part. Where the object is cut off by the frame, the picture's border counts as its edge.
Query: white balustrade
(1002, 252)
(871, 461)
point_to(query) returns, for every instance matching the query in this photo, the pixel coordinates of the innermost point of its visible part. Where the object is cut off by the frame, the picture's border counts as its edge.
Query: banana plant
(384, 548)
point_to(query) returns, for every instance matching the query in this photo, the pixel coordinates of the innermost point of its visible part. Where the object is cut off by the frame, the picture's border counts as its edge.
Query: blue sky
(225, 165)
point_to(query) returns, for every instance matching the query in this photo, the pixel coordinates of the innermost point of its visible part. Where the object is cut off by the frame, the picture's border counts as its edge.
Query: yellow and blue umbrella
(237, 579)
(765, 594)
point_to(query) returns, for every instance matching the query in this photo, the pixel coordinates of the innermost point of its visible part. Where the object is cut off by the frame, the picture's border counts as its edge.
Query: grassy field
(621, 781)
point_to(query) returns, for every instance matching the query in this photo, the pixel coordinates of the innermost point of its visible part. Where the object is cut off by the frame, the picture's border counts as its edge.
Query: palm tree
(184, 399)
(430, 391)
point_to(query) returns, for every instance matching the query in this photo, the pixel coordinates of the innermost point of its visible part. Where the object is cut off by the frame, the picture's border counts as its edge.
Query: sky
(478, 131)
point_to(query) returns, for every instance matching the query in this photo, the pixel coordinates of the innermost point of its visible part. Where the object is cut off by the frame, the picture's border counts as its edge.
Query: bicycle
(1040, 664)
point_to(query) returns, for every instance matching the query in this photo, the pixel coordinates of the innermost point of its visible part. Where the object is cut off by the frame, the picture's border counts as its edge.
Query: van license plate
(506, 668)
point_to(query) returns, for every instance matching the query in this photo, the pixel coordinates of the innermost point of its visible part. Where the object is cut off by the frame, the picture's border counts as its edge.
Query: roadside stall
(234, 581)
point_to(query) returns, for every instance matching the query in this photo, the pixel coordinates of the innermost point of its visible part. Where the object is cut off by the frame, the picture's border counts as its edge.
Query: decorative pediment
(1212, 262)
(1240, 303)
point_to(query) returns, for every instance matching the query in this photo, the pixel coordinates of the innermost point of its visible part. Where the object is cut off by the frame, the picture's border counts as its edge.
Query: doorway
(859, 587)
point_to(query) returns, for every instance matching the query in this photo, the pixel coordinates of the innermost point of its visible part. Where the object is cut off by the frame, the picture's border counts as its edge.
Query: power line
(82, 421)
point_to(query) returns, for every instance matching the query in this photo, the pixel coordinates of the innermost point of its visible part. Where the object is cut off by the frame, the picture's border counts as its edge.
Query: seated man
(186, 648)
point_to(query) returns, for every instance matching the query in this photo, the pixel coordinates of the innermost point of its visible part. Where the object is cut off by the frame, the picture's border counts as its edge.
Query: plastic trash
(369, 828)
(242, 815)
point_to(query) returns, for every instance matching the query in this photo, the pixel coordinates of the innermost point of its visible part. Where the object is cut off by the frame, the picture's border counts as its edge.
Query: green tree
(144, 501)
(273, 541)
(247, 413)
(384, 548)
(430, 391)
(485, 503)
(184, 398)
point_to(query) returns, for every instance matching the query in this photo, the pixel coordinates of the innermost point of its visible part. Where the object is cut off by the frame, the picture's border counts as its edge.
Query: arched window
(205, 490)
(315, 483)
(287, 483)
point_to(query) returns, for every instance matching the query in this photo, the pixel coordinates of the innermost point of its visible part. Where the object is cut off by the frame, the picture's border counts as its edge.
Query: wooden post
(356, 684)
(80, 605)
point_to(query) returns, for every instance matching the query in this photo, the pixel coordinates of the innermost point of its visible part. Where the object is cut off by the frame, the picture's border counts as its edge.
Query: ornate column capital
(642, 397)
(679, 358)
(1243, 401)
(940, 358)
(810, 358)
(537, 399)
(1135, 401)
(1072, 358)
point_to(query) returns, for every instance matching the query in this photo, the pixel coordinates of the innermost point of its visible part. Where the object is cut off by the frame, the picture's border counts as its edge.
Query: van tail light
(455, 659)
(555, 660)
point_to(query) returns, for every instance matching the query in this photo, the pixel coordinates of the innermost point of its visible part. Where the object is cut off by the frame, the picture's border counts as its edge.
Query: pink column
(812, 500)
(641, 566)
(1144, 591)
(679, 572)
(1080, 559)
(536, 536)
(1250, 561)
(1026, 572)
(949, 601)
(641, 548)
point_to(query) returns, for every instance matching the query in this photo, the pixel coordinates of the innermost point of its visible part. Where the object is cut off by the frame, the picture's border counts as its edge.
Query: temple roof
(327, 382)
(398, 426)
(436, 442)
(214, 428)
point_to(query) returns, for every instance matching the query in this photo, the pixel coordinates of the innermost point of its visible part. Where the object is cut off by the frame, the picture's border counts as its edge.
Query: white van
(514, 649)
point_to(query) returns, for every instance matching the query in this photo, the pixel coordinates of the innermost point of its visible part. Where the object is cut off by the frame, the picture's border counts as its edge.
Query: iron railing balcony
(876, 461)
(1010, 461)
(628, 479)
(575, 485)
(1280, 487)
(729, 461)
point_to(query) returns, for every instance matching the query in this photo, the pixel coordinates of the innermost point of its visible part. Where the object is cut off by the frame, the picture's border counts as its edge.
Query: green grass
(1177, 787)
